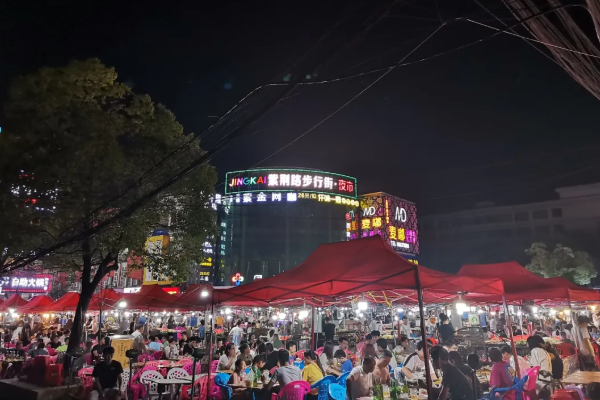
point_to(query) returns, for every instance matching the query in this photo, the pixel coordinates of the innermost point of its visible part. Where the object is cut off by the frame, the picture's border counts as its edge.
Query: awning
(15, 301)
(35, 305)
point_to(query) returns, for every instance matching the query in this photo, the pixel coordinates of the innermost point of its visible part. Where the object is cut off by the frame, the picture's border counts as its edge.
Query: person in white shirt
(227, 360)
(360, 380)
(540, 358)
(581, 337)
(493, 324)
(405, 327)
(508, 356)
(236, 334)
(414, 365)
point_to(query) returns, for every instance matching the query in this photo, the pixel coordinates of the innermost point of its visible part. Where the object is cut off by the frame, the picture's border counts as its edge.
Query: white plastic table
(172, 382)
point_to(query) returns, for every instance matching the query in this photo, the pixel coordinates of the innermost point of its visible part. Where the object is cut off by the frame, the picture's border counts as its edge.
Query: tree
(576, 266)
(75, 140)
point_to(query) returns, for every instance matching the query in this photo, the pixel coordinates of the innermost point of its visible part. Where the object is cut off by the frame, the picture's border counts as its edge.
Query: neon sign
(39, 283)
(290, 180)
(393, 218)
(237, 279)
(278, 197)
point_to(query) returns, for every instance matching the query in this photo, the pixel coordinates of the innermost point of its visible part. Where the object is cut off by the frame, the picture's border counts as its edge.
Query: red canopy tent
(15, 301)
(522, 284)
(106, 298)
(353, 268)
(68, 302)
(35, 305)
(153, 298)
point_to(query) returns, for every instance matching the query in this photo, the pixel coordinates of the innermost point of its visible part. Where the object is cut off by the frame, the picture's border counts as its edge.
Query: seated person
(360, 380)
(414, 365)
(107, 375)
(507, 356)
(38, 350)
(256, 375)
(286, 373)
(455, 385)
(344, 361)
(313, 371)
(227, 360)
(381, 371)
(382, 345)
(62, 348)
(502, 375)
(455, 358)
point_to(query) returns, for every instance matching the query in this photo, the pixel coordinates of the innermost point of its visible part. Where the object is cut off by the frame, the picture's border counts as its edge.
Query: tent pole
(210, 348)
(312, 328)
(423, 332)
(512, 340)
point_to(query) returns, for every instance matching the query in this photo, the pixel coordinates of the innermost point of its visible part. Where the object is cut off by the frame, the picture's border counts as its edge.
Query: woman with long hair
(327, 359)
(313, 372)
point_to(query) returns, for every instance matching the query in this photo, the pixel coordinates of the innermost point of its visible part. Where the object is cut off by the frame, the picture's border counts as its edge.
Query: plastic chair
(177, 373)
(214, 365)
(221, 380)
(577, 389)
(214, 391)
(517, 387)
(337, 391)
(157, 355)
(199, 392)
(299, 355)
(51, 351)
(125, 379)
(530, 387)
(565, 394)
(272, 371)
(293, 391)
(152, 391)
(341, 380)
(189, 368)
(323, 386)
(143, 357)
(319, 351)
(299, 364)
(87, 382)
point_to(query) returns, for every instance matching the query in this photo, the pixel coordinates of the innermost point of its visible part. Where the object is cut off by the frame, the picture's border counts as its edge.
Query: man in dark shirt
(107, 375)
(455, 386)
(328, 330)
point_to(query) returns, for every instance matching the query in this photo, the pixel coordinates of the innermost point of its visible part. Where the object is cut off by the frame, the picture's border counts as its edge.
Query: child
(343, 360)
(237, 378)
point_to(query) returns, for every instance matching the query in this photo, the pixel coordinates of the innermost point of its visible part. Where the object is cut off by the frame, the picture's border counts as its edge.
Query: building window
(540, 214)
(556, 212)
(523, 231)
(559, 229)
(542, 230)
(522, 216)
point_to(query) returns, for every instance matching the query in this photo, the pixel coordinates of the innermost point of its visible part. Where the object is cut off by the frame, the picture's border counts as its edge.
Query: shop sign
(39, 283)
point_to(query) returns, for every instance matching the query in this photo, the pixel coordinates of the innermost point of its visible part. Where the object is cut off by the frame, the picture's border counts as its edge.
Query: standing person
(493, 324)
(171, 322)
(446, 331)
(202, 329)
(107, 375)
(313, 372)
(360, 381)
(236, 334)
(502, 375)
(26, 334)
(405, 327)
(540, 358)
(138, 339)
(278, 344)
(328, 330)
(382, 346)
(581, 337)
(455, 385)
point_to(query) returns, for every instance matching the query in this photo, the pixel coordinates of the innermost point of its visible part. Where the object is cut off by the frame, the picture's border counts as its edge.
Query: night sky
(495, 121)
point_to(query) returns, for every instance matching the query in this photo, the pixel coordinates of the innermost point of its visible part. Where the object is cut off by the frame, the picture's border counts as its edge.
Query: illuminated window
(247, 197)
(307, 180)
(328, 183)
(411, 236)
(318, 180)
(296, 180)
(376, 222)
(284, 180)
(273, 180)
(392, 230)
(276, 197)
(366, 223)
(401, 234)
(354, 226)
(292, 196)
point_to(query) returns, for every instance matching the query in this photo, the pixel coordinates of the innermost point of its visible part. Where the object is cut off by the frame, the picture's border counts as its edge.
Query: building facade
(491, 234)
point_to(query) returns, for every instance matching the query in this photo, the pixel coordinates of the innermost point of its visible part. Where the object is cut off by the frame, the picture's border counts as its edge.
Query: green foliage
(576, 266)
(82, 138)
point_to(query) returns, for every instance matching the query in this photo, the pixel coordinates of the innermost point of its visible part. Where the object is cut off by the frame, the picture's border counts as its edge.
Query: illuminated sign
(393, 218)
(38, 283)
(237, 279)
(280, 180)
(257, 277)
(132, 289)
(156, 245)
(171, 290)
(278, 197)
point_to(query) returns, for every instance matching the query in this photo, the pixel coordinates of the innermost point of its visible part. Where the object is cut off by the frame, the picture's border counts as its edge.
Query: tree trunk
(87, 291)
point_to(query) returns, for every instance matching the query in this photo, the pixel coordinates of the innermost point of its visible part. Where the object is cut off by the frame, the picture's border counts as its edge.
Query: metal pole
(423, 332)
(512, 340)
(210, 347)
(312, 329)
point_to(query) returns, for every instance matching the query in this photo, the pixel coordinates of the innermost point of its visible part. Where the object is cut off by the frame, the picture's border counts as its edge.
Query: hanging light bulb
(204, 293)
(460, 307)
(362, 304)
(255, 309)
(552, 311)
(123, 304)
(303, 314)
(534, 309)
(229, 317)
(492, 313)
(282, 315)
(274, 317)
(228, 311)
(400, 309)
(360, 314)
